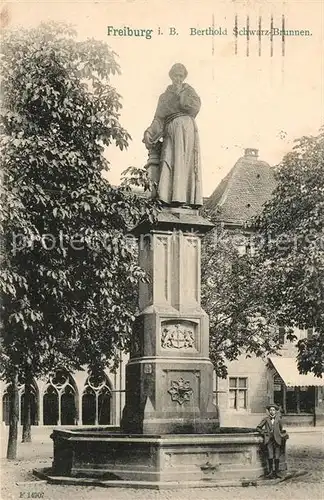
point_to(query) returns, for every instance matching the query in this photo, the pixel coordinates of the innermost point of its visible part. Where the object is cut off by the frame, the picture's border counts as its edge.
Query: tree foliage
(291, 247)
(233, 294)
(69, 270)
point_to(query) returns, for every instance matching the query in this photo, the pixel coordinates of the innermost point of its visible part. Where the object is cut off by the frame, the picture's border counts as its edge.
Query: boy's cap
(272, 405)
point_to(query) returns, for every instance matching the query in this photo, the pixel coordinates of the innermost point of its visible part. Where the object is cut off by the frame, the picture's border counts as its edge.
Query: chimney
(251, 153)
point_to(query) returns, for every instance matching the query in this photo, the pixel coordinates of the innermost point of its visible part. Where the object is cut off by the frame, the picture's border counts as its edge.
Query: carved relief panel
(179, 336)
(182, 390)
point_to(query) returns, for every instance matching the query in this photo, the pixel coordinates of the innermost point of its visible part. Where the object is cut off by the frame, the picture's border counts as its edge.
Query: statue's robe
(180, 166)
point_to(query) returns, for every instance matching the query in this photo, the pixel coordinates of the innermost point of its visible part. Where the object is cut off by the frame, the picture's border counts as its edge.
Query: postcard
(253, 70)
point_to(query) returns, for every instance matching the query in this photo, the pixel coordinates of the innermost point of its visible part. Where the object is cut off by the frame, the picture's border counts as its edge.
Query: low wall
(298, 420)
(253, 419)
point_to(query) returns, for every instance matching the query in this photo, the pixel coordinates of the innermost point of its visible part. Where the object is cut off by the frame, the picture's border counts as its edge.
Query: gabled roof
(242, 193)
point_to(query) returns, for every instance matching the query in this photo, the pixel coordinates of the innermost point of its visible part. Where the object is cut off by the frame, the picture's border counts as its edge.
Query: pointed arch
(60, 399)
(21, 402)
(34, 403)
(96, 400)
(50, 406)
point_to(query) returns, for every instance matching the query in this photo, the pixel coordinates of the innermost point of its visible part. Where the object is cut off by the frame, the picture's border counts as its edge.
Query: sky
(262, 102)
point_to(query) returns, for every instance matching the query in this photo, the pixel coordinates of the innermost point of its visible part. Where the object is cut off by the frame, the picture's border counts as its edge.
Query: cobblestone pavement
(305, 451)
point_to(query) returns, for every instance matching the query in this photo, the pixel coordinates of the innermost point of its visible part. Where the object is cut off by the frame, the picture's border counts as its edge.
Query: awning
(288, 372)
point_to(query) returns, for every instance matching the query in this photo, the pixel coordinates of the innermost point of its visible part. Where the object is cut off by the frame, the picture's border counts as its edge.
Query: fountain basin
(157, 460)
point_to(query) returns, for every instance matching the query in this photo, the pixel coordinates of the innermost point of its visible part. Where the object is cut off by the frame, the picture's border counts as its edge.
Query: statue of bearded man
(179, 182)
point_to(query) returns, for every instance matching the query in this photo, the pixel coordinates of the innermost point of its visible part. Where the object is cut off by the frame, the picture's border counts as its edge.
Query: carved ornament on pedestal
(177, 336)
(180, 391)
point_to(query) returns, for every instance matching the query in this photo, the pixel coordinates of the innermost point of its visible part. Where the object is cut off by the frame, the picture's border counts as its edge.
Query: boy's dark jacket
(265, 428)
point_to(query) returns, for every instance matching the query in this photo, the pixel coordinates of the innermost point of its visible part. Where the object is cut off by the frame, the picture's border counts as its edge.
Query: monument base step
(46, 474)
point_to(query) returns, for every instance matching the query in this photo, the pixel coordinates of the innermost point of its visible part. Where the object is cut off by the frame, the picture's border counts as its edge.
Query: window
(306, 400)
(60, 400)
(305, 332)
(51, 406)
(238, 393)
(278, 391)
(33, 406)
(96, 400)
(21, 401)
(300, 399)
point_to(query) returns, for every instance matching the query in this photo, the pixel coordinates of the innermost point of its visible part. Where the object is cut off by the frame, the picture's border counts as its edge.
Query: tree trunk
(26, 432)
(13, 419)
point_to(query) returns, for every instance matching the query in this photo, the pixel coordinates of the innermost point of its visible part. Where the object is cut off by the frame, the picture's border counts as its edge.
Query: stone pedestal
(170, 436)
(169, 375)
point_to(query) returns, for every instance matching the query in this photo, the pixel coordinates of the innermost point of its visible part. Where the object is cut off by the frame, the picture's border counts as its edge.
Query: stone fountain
(170, 434)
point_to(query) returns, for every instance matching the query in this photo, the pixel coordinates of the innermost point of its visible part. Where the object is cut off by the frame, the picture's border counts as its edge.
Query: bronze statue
(179, 176)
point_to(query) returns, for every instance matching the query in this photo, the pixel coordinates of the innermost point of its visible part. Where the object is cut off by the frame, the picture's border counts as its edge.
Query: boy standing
(271, 429)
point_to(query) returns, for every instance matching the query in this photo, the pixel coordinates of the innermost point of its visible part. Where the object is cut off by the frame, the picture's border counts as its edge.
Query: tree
(291, 247)
(69, 269)
(233, 294)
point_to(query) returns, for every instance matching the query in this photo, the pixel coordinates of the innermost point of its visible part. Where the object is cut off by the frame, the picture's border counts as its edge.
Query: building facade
(254, 382)
(67, 399)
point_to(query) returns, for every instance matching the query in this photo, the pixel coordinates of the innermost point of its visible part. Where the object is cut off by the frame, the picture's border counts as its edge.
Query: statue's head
(178, 73)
